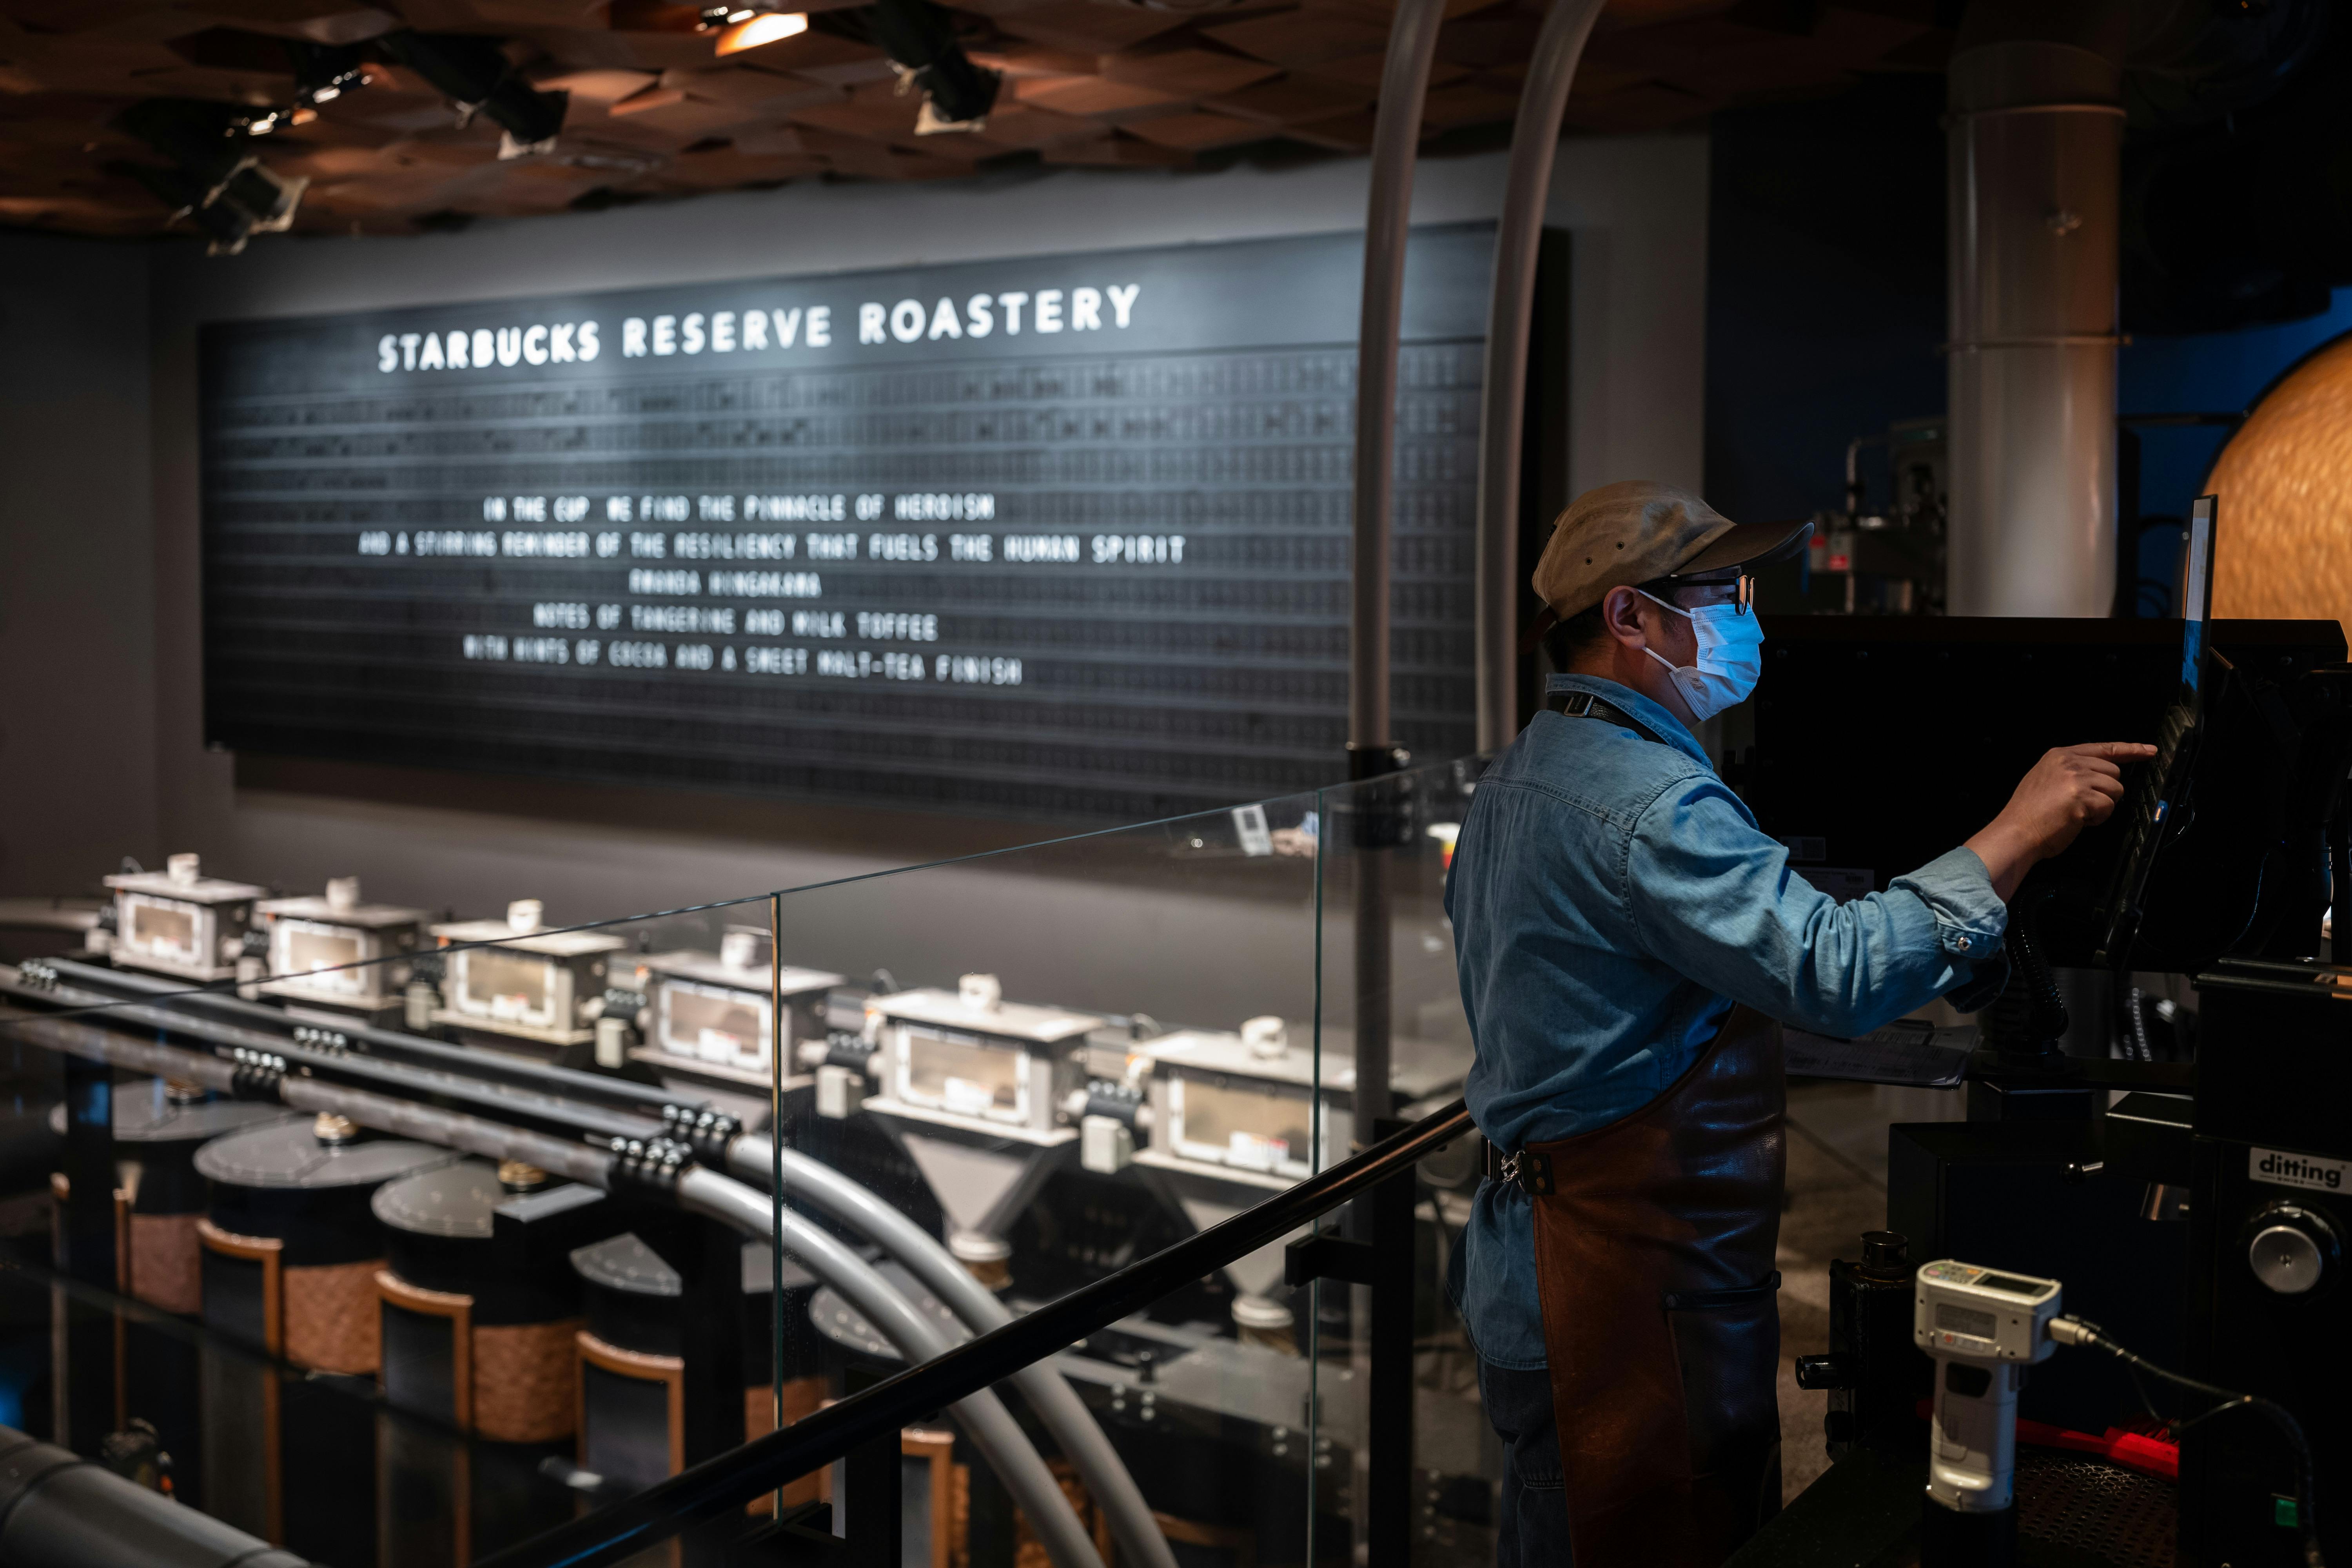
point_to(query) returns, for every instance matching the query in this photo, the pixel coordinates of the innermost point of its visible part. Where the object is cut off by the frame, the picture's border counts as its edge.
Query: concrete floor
(1837, 1190)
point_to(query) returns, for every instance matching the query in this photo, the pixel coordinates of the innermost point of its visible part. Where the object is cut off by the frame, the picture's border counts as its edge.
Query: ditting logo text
(2276, 1165)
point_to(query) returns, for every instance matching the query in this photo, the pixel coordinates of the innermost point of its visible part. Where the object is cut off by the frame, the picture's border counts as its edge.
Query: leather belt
(1531, 1174)
(1585, 705)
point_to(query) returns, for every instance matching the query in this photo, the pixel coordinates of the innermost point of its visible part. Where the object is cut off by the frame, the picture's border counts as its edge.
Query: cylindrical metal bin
(291, 1255)
(479, 1309)
(159, 1196)
(633, 1366)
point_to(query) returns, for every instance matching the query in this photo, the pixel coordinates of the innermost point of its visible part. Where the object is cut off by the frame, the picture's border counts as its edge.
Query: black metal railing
(870, 1421)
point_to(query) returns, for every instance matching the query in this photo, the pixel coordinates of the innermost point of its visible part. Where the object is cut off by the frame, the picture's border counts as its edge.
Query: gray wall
(78, 783)
(1636, 207)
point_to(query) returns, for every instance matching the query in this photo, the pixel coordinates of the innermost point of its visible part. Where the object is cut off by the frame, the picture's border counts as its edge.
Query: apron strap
(1585, 705)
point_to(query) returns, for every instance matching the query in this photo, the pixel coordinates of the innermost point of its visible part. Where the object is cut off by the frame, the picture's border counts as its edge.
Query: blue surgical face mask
(1731, 656)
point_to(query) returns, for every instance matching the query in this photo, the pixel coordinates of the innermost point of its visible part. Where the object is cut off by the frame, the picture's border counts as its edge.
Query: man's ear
(1621, 613)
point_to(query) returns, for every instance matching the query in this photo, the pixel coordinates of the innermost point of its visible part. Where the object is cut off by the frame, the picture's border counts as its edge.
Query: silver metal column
(1371, 751)
(1503, 420)
(2035, 148)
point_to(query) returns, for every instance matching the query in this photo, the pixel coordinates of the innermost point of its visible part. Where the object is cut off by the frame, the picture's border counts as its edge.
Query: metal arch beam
(1502, 424)
(1396, 144)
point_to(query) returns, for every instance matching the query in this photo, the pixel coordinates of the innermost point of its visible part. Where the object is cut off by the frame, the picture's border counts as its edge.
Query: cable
(2076, 1331)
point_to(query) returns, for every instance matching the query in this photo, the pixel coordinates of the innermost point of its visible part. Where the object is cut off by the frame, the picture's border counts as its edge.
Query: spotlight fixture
(475, 75)
(323, 73)
(750, 29)
(228, 191)
(920, 40)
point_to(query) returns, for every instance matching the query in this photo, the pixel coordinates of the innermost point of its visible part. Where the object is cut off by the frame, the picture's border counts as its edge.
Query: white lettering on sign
(972, 508)
(2291, 1170)
(766, 585)
(480, 348)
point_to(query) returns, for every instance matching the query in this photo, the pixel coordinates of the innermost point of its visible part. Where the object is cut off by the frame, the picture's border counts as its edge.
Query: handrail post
(1518, 237)
(872, 1519)
(1387, 1402)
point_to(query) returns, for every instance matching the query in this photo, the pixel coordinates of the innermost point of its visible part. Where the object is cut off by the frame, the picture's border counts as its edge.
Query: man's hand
(2071, 788)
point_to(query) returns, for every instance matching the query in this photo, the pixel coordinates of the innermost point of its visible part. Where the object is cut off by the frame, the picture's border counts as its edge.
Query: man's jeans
(1531, 1526)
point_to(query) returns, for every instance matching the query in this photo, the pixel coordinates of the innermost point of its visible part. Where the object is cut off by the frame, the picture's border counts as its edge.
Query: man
(1629, 943)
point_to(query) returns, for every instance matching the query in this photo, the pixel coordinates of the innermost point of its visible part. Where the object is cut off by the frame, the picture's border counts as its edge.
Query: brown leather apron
(1654, 1240)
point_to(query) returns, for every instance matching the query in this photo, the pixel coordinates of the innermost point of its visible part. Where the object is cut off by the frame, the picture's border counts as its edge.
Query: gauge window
(713, 1024)
(509, 987)
(975, 1081)
(303, 951)
(166, 931)
(1249, 1127)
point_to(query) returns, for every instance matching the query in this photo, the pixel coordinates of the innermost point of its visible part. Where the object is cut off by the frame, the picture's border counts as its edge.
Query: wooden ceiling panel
(1094, 83)
(1187, 72)
(1088, 26)
(1093, 95)
(1305, 36)
(1196, 133)
(1292, 100)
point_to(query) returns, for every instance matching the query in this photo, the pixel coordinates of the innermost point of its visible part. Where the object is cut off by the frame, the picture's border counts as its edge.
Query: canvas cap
(1637, 531)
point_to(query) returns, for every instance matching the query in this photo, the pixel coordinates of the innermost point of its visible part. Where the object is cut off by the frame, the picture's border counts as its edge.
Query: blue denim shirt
(1611, 898)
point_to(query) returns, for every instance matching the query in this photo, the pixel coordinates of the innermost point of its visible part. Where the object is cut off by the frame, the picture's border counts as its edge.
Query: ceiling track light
(920, 39)
(749, 29)
(475, 75)
(230, 193)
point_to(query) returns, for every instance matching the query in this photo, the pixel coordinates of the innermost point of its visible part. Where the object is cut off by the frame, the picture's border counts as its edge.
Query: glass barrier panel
(1055, 1062)
(1391, 994)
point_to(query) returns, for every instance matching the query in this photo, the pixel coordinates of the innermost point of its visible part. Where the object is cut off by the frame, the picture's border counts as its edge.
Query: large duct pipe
(2035, 148)
(59, 1511)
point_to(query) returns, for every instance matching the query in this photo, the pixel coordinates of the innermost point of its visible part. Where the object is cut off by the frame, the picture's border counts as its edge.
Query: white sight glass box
(1245, 1106)
(180, 921)
(533, 986)
(700, 1009)
(967, 1056)
(337, 950)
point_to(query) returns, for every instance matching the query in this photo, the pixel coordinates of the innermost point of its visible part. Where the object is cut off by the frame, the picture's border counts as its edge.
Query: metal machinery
(180, 923)
(1880, 561)
(1234, 1117)
(513, 980)
(977, 1090)
(707, 1020)
(479, 1309)
(658, 1339)
(337, 952)
(291, 1251)
(2099, 1124)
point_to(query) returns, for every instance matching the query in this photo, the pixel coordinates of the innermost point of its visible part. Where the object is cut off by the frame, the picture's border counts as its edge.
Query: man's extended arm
(1713, 896)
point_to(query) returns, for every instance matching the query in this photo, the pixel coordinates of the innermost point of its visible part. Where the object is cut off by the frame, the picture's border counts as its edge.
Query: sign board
(1063, 536)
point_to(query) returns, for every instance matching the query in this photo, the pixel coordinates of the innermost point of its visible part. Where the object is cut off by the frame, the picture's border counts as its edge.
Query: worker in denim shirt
(1630, 943)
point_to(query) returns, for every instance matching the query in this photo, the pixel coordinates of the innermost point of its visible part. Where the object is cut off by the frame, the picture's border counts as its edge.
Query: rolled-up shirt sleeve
(1713, 895)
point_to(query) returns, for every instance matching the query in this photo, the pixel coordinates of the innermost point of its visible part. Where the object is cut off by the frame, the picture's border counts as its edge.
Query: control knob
(2292, 1249)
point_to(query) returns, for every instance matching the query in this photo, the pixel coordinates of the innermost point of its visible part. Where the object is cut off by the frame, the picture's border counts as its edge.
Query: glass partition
(441, 1232)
